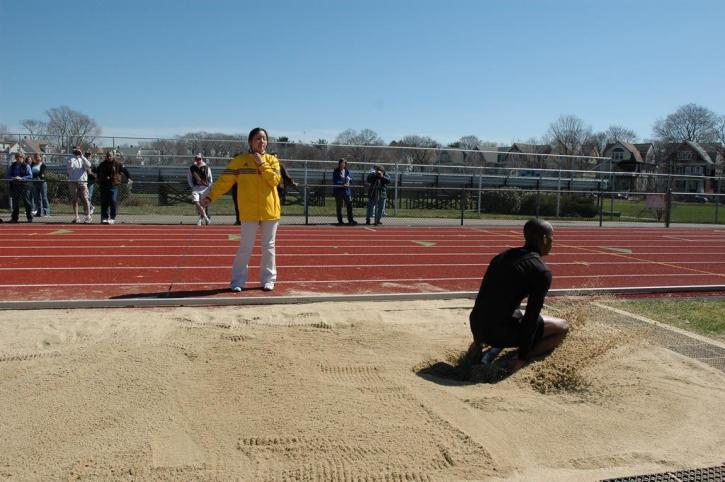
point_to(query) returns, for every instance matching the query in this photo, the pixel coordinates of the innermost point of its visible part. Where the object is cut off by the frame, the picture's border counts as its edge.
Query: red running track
(81, 262)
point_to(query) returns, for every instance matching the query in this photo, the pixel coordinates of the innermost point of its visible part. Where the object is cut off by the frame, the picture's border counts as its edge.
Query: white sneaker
(93, 209)
(207, 221)
(200, 222)
(237, 289)
(111, 221)
(87, 219)
(268, 287)
(104, 221)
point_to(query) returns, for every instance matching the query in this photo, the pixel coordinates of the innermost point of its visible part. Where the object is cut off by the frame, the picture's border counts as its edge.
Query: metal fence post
(463, 201)
(306, 197)
(395, 193)
(600, 204)
(558, 194)
(668, 207)
(480, 186)
(538, 197)
(717, 199)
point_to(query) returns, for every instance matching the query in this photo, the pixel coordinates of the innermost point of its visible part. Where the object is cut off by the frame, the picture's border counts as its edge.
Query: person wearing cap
(199, 179)
(109, 177)
(78, 167)
(257, 175)
(19, 174)
(513, 275)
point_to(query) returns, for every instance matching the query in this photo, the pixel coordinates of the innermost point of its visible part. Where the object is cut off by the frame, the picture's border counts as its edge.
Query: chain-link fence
(427, 185)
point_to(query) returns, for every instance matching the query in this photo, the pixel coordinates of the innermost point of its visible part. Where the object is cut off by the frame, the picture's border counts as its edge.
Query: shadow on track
(174, 294)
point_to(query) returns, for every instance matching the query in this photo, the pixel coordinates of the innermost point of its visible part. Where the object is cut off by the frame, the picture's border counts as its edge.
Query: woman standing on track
(256, 175)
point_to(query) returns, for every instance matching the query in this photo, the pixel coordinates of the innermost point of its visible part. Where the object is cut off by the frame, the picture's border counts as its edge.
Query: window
(684, 155)
(618, 154)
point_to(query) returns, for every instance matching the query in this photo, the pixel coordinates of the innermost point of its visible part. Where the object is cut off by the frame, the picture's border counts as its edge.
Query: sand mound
(325, 392)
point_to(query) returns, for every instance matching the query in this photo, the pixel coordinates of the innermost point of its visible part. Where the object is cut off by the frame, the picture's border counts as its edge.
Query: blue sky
(502, 70)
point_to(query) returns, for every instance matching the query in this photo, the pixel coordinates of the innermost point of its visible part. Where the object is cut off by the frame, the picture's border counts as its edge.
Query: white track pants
(268, 265)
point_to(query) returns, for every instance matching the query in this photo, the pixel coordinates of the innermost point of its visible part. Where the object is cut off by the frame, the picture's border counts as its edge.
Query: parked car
(700, 199)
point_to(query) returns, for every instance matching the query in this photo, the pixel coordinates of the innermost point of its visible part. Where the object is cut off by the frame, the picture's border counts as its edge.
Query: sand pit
(337, 392)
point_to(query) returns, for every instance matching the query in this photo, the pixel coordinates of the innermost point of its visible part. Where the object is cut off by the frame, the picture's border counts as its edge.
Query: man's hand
(205, 202)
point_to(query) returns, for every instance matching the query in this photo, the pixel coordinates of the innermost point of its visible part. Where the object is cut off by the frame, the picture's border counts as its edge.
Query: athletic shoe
(93, 209)
(104, 221)
(237, 289)
(87, 219)
(111, 221)
(75, 220)
(200, 222)
(237, 223)
(268, 287)
(353, 223)
(207, 221)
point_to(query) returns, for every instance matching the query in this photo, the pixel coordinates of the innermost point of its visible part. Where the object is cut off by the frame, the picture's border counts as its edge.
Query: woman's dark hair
(254, 132)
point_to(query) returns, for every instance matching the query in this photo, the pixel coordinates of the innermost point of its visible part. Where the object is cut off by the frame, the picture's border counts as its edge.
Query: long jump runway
(41, 264)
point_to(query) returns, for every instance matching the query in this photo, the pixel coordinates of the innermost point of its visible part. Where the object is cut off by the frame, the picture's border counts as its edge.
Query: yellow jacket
(256, 186)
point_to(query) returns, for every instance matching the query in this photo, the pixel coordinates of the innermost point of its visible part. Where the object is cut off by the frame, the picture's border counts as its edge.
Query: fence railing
(161, 195)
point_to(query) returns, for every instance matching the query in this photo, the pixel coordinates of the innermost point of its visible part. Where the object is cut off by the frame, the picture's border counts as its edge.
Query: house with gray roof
(634, 162)
(696, 164)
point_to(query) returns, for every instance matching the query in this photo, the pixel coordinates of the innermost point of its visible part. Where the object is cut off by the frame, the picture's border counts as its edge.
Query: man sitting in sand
(513, 275)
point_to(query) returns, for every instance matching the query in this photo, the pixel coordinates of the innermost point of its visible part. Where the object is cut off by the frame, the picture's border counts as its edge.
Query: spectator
(257, 175)
(200, 180)
(78, 167)
(286, 181)
(109, 174)
(91, 179)
(341, 178)
(40, 187)
(377, 194)
(20, 174)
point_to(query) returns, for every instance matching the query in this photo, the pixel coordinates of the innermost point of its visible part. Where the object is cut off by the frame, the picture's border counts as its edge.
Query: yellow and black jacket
(257, 195)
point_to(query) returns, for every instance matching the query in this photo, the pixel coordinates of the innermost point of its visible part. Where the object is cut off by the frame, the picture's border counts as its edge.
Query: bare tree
(3, 129)
(617, 133)
(350, 142)
(690, 122)
(35, 129)
(422, 149)
(720, 130)
(72, 127)
(568, 134)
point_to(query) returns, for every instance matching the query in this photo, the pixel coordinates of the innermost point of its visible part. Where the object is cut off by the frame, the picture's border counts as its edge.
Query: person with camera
(78, 167)
(108, 176)
(200, 180)
(513, 275)
(377, 194)
(20, 174)
(342, 179)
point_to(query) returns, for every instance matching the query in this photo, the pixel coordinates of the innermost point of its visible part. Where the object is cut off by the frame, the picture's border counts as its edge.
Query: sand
(338, 392)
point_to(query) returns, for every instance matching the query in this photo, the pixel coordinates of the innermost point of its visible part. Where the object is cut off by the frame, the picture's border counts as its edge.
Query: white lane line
(282, 255)
(333, 245)
(349, 266)
(348, 281)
